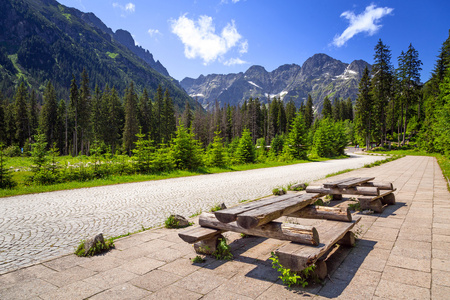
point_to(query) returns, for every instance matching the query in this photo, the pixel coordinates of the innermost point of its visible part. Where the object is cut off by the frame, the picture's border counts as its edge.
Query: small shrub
(223, 251)
(289, 277)
(198, 260)
(355, 206)
(97, 249)
(12, 151)
(170, 222)
(279, 191)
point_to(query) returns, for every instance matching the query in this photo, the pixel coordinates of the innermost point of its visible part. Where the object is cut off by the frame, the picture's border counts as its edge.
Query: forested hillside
(42, 41)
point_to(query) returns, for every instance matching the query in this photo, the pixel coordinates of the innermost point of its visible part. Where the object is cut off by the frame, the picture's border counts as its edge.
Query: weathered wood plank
(282, 231)
(368, 203)
(196, 234)
(323, 212)
(332, 184)
(262, 215)
(359, 190)
(297, 257)
(354, 182)
(381, 195)
(379, 185)
(230, 214)
(388, 199)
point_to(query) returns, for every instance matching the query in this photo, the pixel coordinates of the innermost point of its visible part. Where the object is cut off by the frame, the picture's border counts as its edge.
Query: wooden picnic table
(308, 242)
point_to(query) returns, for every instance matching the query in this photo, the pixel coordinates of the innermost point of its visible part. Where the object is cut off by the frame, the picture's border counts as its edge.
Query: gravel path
(34, 228)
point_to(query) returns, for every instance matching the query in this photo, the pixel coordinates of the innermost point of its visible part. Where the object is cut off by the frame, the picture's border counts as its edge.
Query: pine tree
(327, 111)
(33, 115)
(290, 113)
(169, 117)
(2, 121)
(364, 109)
(115, 120)
(245, 151)
(409, 67)
(61, 129)
(6, 181)
(74, 111)
(131, 127)
(382, 84)
(98, 115)
(48, 118)
(309, 112)
(159, 115)
(145, 114)
(21, 114)
(84, 109)
(186, 149)
(186, 117)
(296, 143)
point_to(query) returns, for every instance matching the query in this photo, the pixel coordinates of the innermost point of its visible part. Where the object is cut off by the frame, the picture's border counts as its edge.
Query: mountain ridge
(320, 76)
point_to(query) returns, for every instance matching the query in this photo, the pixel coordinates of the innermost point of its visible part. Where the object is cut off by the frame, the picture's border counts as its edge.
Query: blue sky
(193, 37)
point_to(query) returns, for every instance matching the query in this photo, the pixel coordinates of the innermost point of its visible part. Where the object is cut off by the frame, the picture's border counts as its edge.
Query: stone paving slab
(388, 261)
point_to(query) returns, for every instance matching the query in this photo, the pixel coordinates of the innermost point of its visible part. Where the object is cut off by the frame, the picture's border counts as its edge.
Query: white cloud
(234, 61)
(200, 39)
(243, 47)
(154, 32)
(367, 21)
(129, 8)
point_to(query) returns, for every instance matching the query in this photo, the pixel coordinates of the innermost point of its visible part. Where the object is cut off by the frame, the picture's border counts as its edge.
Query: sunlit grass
(25, 162)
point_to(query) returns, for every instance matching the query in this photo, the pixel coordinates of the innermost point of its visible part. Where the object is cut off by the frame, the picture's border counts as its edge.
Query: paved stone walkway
(37, 227)
(402, 253)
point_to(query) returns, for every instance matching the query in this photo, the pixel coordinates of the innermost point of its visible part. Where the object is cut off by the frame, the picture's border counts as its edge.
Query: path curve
(37, 227)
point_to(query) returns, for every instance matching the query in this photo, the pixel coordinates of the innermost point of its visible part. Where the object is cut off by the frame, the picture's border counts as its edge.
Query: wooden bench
(258, 219)
(371, 195)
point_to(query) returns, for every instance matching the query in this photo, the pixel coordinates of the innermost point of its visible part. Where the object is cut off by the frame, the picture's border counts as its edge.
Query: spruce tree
(409, 67)
(159, 115)
(364, 109)
(84, 109)
(186, 150)
(327, 110)
(170, 125)
(296, 143)
(309, 112)
(74, 112)
(6, 181)
(21, 115)
(131, 127)
(245, 151)
(382, 85)
(48, 119)
(145, 114)
(115, 120)
(2, 120)
(33, 114)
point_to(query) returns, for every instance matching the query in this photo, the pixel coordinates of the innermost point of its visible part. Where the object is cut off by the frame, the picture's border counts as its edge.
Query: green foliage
(216, 154)
(12, 151)
(245, 151)
(6, 181)
(289, 277)
(198, 260)
(279, 191)
(143, 154)
(171, 222)
(186, 150)
(216, 207)
(296, 144)
(329, 139)
(112, 55)
(98, 248)
(355, 206)
(380, 162)
(223, 251)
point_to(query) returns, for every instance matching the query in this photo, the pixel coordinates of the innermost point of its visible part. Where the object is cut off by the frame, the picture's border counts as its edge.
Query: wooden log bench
(258, 218)
(298, 256)
(371, 195)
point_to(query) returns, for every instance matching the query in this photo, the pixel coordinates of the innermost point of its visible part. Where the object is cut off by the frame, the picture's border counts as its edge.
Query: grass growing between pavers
(23, 163)
(443, 161)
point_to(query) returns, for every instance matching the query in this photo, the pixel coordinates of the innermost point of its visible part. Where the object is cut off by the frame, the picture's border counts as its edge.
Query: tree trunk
(404, 124)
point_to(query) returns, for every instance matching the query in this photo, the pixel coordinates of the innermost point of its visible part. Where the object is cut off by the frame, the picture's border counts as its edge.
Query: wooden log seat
(297, 257)
(377, 203)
